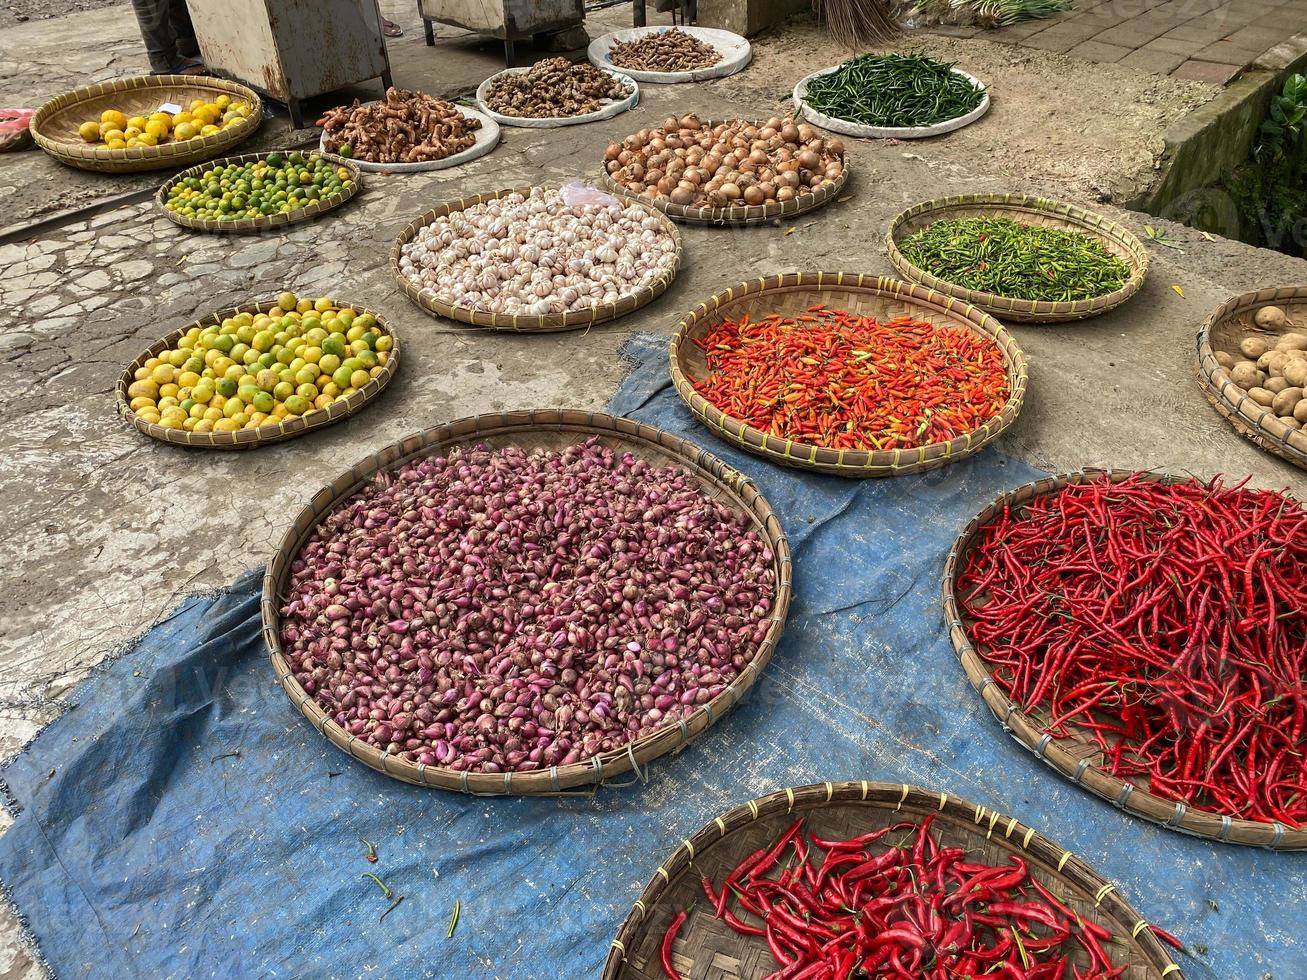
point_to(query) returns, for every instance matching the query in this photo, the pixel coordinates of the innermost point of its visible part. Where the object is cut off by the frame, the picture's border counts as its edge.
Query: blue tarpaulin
(184, 820)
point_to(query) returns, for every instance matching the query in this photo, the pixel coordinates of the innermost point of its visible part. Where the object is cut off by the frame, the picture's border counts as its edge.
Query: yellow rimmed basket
(1028, 210)
(706, 947)
(743, 215)
(553, 428)
(310, 211)
(1229, 324)
(792, 293)
(299, 425)
(1077, 757)
(524, 323)
(54, 126)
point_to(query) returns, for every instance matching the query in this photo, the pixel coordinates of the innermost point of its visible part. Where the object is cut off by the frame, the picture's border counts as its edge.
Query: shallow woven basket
(55, 124)
(749, 214)
(523, 323)
(1223, 330)
(706, 947)
(792, 293)
(1077, 757)
(1116, 238)
(531, 429)
(313, 209)
(249, 438)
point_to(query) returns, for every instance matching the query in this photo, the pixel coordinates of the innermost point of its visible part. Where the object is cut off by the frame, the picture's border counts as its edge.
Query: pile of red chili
(844, 381)
(1166, 622)
(895, 903)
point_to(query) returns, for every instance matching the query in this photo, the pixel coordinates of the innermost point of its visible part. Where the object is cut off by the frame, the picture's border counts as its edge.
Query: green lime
(225, 387)
(263, 402)
(297, 405)
(283, 390)
(334, 344)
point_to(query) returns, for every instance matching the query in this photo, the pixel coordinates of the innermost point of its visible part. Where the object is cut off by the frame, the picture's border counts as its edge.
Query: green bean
(1017, 261)
(893, 90)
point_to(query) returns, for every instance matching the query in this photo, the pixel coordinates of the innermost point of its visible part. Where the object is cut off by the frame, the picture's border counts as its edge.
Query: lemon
(89, 131)
(209, 130)
(111, 133)
(181, 117)
(226, 425)
(287, 301)
(222, 101)
(185, 131)
(137, 122)
(204, 425)
(116, 144)
(156, 128)
(114, 118)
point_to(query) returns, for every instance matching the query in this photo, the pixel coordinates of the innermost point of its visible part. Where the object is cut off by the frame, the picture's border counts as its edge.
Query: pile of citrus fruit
(258, 369)
(277, 184)
(117, 130)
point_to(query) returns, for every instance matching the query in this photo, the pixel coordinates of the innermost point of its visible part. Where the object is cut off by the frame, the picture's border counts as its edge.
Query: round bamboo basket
(310, 211)
(743, 215)
(1222, 331)
(706, 947)
(792, 293)
(249, 438)
(1077, 757)
(548, 429)
(523, 323)
(1024, 208)
(55, 124)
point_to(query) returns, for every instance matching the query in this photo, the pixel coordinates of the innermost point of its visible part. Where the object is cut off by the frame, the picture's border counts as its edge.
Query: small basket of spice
(665, 55)
(555, 92)
(862, 879)
(406, 132)
(526, 602)
(880, 96)
(1252, 366)
(1146, 636)
(848, 374)
(1022, 258)
(728, 172)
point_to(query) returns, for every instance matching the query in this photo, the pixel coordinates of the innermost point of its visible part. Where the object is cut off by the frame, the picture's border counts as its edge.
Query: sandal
(390, 28)
(189, 66)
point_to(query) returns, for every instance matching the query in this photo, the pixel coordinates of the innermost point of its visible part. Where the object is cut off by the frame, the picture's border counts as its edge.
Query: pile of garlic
(537, 254)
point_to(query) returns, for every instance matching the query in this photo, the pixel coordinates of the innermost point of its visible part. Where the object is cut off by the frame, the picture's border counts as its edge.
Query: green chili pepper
(894, 90)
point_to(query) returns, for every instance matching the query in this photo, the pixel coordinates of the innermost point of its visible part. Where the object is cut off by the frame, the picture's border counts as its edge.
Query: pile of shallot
(508, 610)
(726, 164)
(537, 254)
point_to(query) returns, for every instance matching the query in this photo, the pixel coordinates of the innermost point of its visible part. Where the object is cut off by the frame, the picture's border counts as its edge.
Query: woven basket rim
(848, 462)
(735, 489)
(1021, 310)
(1052, 860)
(248, 438)
(308, 212)
(750, 214)
(534, 322)
(131, 158)
(1128, 797)
(1254, 422)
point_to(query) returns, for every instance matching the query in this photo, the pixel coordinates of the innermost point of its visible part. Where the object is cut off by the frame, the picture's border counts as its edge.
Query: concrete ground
(1203, 40)
(107, 530)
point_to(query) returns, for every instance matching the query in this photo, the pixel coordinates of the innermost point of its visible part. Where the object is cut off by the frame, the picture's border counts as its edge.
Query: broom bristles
(856, 23)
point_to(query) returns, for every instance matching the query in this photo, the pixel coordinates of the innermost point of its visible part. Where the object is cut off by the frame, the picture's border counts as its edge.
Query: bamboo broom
(856, 23)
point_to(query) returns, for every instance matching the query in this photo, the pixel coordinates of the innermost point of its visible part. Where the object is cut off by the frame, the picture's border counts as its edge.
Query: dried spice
(553, 89)
(404, 127)
(673, 50)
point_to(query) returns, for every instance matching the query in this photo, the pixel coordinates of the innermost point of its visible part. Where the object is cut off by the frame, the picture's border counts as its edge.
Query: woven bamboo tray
(1077, 757)
(1223, 330)
(707, 947)
(793, 293)
(748, 214)
(530, 429)
(249, 438)
(523, 323)
(1116, 238)
(55, 124)
(310, 211)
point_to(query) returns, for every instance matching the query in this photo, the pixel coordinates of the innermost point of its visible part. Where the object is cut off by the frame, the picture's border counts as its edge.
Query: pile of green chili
(893, 90)
(1016, 261)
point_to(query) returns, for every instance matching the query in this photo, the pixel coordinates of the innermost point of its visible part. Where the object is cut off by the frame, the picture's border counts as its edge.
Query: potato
(1272, 362)
(1261, 396)
(1224, 359)
(1295, 372)
(1292, 341)
(1300, 411)
(1290, 422)
(1253, 347)
(1285, 401)
(1275, 385)
(1246, 375)
(1272, 317)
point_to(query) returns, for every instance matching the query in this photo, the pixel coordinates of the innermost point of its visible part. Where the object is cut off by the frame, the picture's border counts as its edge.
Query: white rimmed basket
(862, 131)
(736, 53)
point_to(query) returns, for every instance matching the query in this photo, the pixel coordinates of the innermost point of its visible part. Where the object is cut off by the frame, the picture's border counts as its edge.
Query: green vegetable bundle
(1017, 261)
(894, 90)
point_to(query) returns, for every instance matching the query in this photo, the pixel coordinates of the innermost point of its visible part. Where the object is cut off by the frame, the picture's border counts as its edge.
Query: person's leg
(156, 31)
(180, 16)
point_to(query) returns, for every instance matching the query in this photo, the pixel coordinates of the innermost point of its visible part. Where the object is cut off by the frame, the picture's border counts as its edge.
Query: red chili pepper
(669, 937)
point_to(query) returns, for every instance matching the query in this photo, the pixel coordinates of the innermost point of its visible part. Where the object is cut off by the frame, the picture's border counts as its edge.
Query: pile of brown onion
(508, 610)
(726, 164)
